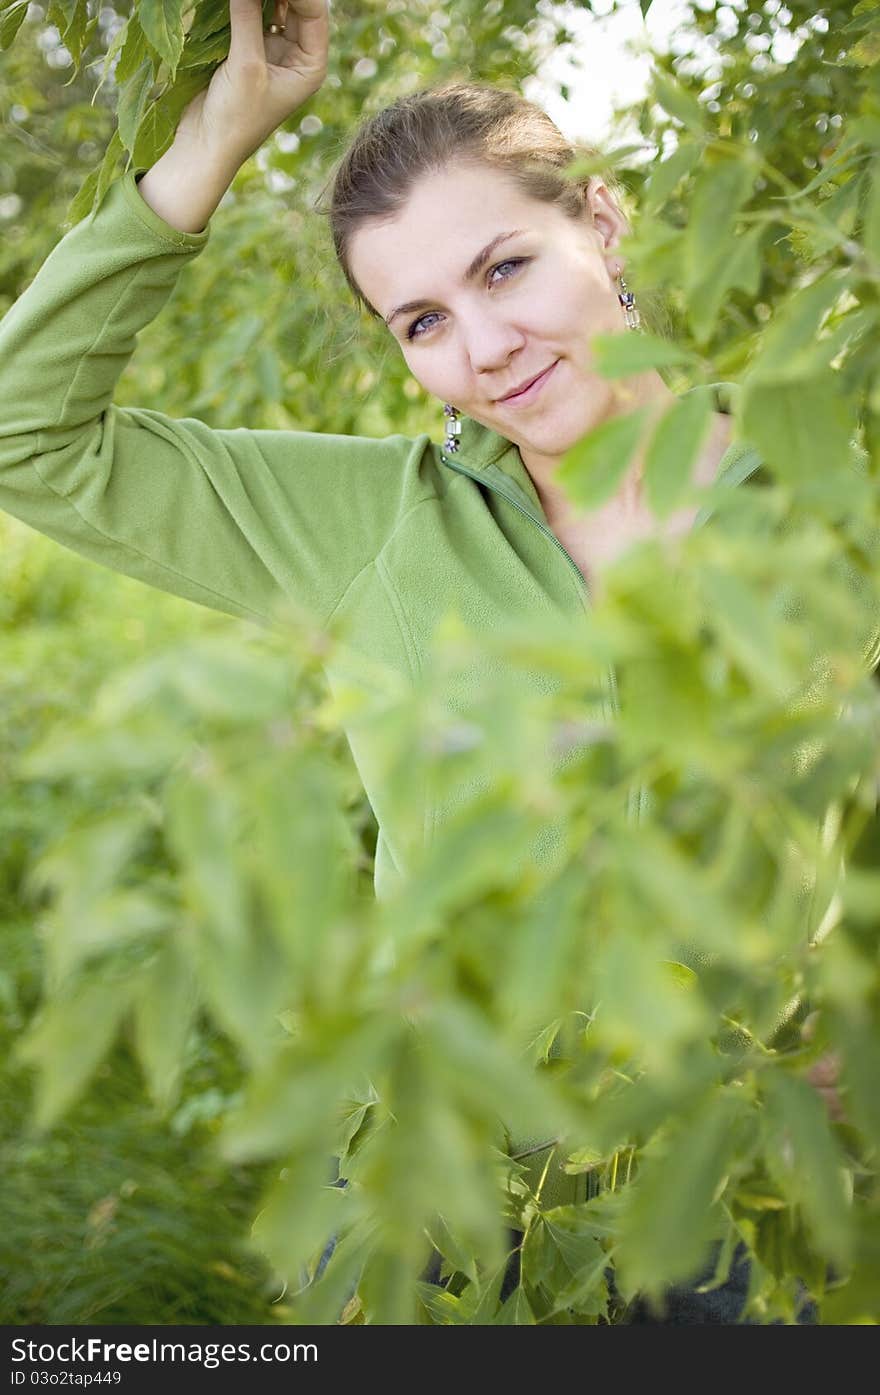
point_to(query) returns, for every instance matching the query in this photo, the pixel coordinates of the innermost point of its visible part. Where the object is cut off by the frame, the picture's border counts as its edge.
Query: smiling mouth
(531, 389)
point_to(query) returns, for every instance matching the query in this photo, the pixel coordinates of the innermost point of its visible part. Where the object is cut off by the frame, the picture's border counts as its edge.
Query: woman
(377, 537)
(451, 222)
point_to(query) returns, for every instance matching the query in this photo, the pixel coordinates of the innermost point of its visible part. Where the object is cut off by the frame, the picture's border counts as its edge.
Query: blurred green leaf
(620, 355)
(164, 1015)
(679, 102)
(591, 470)
(806, 1160)
(670, 1219)
(68, 1040)
(802, 429)
(673, 449)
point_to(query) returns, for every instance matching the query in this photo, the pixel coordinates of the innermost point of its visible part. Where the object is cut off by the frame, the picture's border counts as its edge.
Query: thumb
(246, 44)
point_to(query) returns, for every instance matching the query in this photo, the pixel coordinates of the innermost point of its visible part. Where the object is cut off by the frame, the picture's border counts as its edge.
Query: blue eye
(415, 333)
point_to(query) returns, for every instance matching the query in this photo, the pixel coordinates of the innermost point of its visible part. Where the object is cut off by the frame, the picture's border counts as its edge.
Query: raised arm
(235, 519)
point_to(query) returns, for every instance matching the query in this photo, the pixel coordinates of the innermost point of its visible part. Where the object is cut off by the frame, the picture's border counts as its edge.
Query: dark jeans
(683, 1305)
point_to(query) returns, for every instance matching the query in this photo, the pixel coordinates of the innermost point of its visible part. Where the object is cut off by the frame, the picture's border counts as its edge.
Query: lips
(526, 384)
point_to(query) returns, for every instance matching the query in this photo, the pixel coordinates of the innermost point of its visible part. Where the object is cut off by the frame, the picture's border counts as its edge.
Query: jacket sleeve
(238, 520)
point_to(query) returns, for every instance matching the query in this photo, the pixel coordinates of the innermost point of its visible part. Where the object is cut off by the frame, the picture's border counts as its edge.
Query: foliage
(636, 995)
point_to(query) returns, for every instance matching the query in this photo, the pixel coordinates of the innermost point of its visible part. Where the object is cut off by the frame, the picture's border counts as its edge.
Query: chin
(555, 440)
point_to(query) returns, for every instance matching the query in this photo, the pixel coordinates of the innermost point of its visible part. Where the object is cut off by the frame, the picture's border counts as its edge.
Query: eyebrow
(473, 270)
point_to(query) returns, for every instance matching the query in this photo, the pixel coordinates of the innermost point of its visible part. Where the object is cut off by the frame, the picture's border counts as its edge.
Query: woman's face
(473, 333)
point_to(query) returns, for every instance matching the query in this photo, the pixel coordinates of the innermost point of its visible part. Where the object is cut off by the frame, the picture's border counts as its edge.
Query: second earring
(453, 427)
(628, 301)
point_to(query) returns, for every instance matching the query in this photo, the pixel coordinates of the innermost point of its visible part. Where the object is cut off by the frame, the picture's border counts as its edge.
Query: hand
(265, 78)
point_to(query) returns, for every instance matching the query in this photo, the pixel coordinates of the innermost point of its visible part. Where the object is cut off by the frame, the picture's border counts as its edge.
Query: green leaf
(787, 345)
(872, 214)
(301, 858)
(444, 1309)
(673, 449)
(387, 1288)
(134, 97)
(859, 1039)
(858, 1299)
(160, 120)
(515, 1311)
(301, 1212)
(740, 269)
(601, 162)
(478, 1067)
(164, 1012)
(866, 51)
(323, 1301)
(68, 1040)
(805, 1159)
(205, 821)
(11, 20)
(443, 1240)
(670, 1220)
(849, 153)
(642, 1009)
(562, 1256)
(134, 51)
(205, 677)
(592, 470)
(90, 857)
(82, 749)
(76, 33)
(296, 1097)
(116, 43)
(205, 51)
(108, 168)
(801, 429)
(720, 190)
(666, 175)
(621, 355)
(478, 847)
(747, 629)
(161, 21)
(487, 1293)
(678, 102)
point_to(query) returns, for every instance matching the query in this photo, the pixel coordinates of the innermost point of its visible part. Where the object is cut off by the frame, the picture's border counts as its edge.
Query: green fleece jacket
(382, 534)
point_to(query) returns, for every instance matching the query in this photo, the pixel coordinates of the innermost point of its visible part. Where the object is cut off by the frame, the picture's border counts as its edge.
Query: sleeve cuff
(128, 190)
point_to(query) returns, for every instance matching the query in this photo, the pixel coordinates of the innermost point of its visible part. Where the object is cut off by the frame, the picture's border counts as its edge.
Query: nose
(491, 341)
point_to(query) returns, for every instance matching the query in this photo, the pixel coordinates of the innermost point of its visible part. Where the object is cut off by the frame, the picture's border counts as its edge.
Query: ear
(607, 221)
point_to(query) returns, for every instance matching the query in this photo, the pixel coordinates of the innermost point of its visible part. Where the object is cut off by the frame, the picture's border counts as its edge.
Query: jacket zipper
(544, 529)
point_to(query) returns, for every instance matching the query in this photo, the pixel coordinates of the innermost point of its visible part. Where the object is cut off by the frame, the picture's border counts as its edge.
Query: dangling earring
(453, 427)
(628, 301)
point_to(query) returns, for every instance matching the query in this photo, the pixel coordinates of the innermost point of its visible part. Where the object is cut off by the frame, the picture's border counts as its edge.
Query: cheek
(570, 301)
(594, 310)
(435, 373)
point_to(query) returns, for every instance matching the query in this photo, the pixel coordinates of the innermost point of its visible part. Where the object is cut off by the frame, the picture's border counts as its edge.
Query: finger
(246, 32)
(312, 21)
